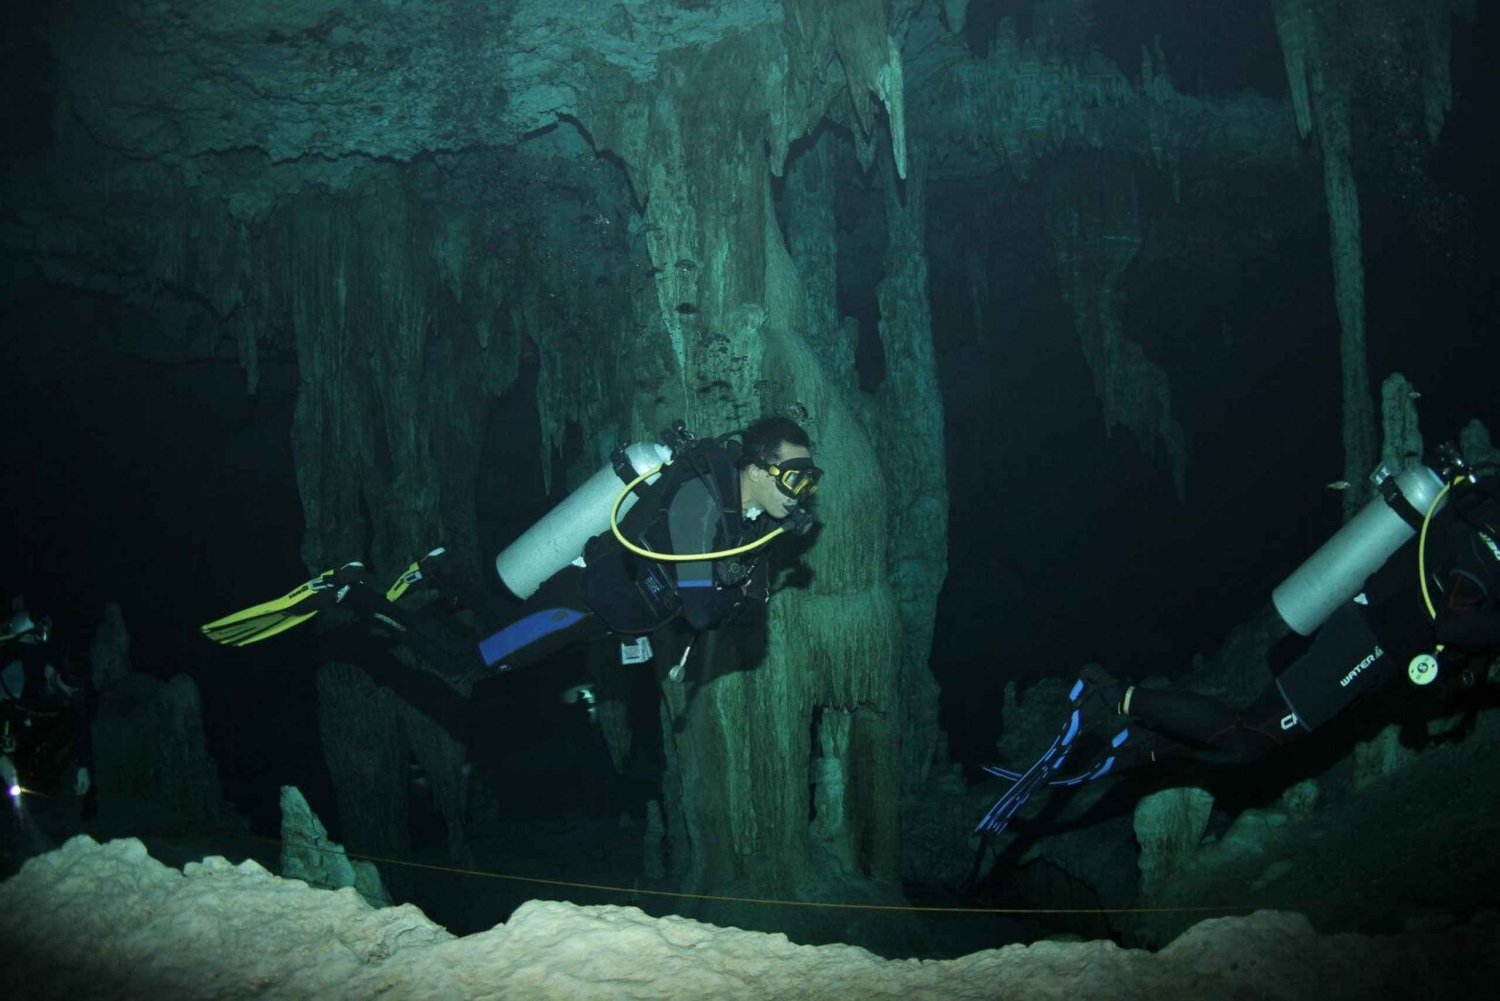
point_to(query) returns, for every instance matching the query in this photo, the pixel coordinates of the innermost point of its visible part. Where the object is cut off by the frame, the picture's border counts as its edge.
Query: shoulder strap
(715, 464)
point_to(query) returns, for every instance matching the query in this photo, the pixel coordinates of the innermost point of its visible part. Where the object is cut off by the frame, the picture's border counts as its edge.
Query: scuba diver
(1368, 624)
(45, 744)
(665, 533)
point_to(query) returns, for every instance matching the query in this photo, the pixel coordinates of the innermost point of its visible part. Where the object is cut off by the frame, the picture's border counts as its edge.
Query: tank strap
(625, 469)
(1398, 503)
(620, 459)
(721, 473)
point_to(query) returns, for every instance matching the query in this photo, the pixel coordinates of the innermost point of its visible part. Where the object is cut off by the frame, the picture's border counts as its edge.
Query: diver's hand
(7, 772)
(81, 782)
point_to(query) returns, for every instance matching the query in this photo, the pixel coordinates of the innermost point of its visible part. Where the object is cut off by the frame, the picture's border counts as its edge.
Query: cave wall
(407, 202)
(410, 201)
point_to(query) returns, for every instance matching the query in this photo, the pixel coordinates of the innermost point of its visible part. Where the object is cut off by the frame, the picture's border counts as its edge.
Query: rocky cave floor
(1414, 850)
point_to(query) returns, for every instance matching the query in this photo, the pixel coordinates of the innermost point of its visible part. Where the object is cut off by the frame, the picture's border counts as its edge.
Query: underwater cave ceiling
(320, 180)
(211, 123)
(272, 177)
(327, 90)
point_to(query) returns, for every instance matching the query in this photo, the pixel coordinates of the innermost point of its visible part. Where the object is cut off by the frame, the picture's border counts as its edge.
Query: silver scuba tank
(557, 539)
(1338, 570)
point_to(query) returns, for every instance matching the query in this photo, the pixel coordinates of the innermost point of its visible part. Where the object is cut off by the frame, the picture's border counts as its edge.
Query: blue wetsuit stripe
(526, 631)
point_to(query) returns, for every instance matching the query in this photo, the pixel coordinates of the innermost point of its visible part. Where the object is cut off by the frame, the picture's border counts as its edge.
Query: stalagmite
(1401, 437)
(367, 757)
(308, 854)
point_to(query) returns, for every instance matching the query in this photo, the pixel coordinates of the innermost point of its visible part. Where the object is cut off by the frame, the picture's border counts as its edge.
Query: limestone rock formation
(169, 783)
(91, 922)
(1169, 826)
(1401, 437)
(370, 737)
(640, 200)
(308, 854)
(1335, 60)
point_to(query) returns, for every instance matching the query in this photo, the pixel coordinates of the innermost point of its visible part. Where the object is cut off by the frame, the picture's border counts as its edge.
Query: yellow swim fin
(267, 619)
(418, 571)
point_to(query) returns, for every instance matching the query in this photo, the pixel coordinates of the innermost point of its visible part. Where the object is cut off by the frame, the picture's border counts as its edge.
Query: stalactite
(1095, 234)
(813, 246)
(1162, 119)
(1437, 38)
(1051, 92)
(1023, 101)
(956, 12)
(1331, 115)
(1294, 28)
(1437, 85)
(1321, 51)
(361, 308)
(728, 300)
(862, 36)
(591, 354)
(1308, 33)
(911, 441)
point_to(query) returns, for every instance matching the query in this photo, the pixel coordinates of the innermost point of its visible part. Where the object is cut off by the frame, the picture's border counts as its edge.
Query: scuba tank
(1338, 570)
(557, 539)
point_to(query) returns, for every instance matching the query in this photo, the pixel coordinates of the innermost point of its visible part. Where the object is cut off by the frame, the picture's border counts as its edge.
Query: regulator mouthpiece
(798, 521)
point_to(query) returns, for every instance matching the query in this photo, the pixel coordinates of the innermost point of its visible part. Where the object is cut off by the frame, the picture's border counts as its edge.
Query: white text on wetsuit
(1361, 666)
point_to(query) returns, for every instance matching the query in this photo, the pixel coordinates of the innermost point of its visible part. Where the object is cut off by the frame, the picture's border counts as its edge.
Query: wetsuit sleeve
(693, 521)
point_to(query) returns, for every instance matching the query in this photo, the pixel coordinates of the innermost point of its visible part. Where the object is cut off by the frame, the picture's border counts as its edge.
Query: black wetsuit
(1364, 646)
(694, 507)
(49, 725)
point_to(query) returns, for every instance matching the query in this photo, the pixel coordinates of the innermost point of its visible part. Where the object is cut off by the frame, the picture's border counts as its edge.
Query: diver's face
(761, 490)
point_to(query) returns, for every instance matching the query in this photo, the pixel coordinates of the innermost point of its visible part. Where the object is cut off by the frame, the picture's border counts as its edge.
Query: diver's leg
(428, 638)
(1209, 728)
(1185, 713)
(552, 619)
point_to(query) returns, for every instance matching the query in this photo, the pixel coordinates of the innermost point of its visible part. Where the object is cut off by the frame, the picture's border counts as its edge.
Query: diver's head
(777, 473)
(20, 625)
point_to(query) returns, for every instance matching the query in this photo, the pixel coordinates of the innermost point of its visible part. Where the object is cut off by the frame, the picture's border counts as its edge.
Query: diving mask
(796, 478)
